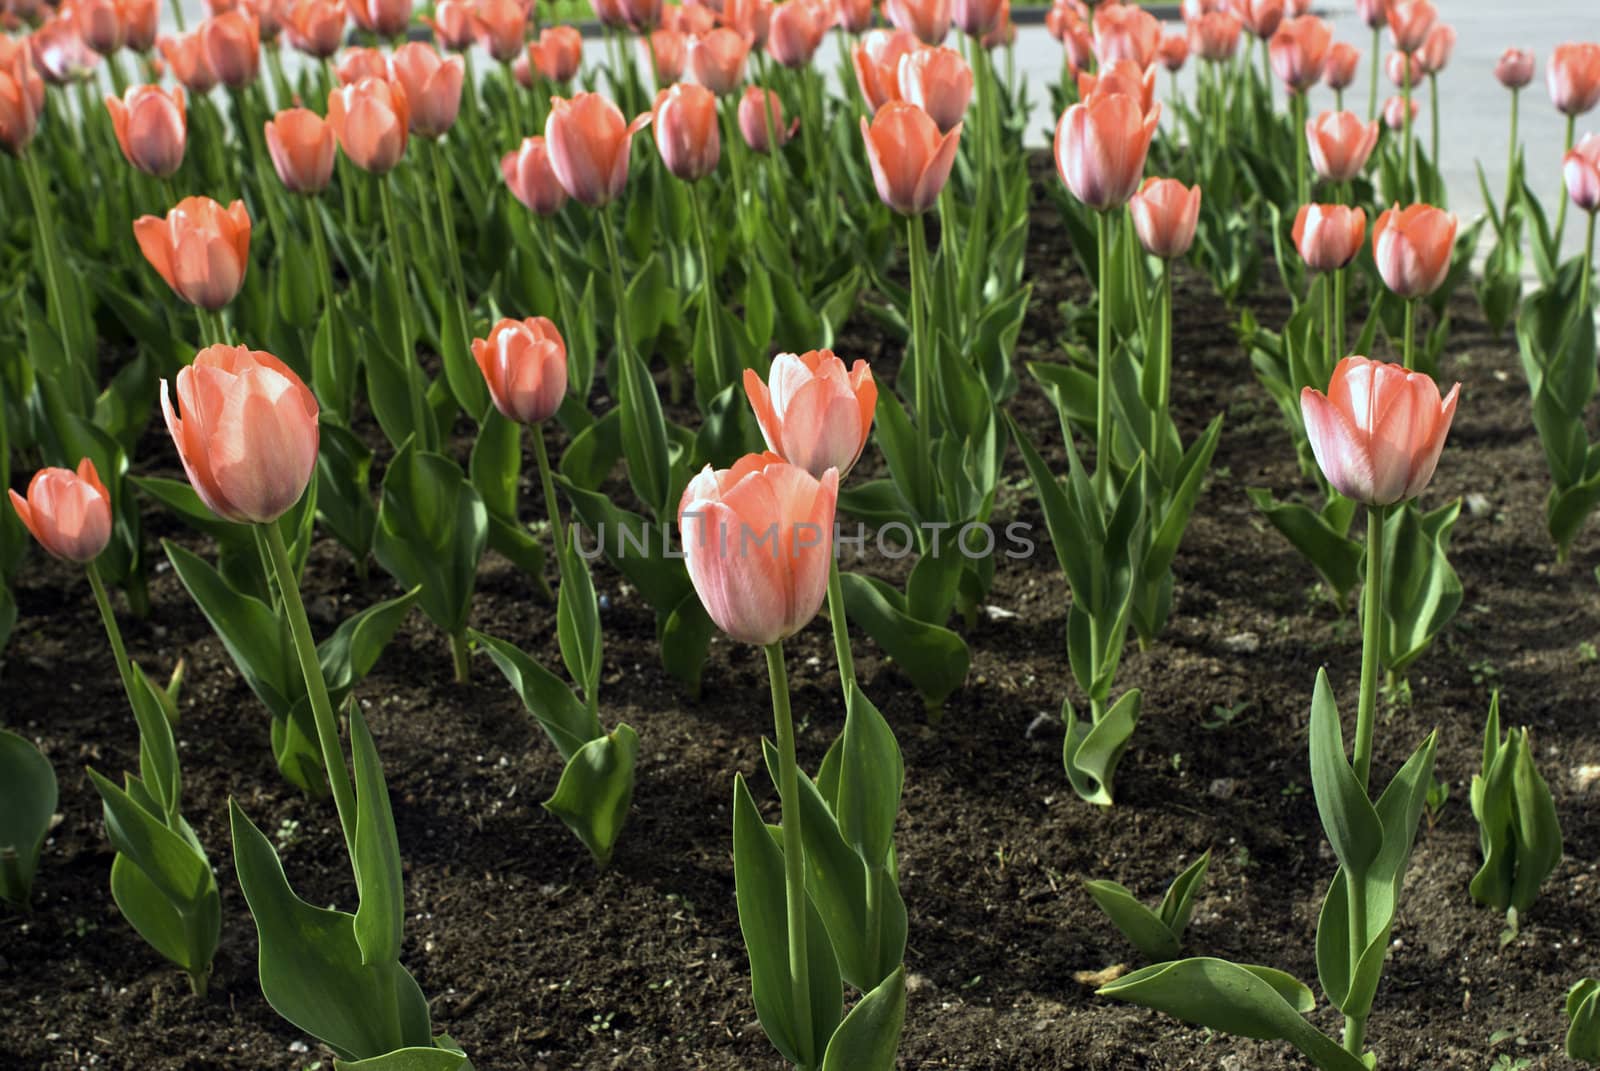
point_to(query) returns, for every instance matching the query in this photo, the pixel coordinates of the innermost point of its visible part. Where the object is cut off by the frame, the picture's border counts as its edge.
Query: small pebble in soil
(1478, 504)
(1223, 788)
(1585, 777)
(1243, 643)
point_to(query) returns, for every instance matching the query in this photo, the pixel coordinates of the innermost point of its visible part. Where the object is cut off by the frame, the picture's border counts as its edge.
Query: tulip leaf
(28, 798)
(380, 917)
(578, 621)
(1421, 591)
(1336, 558)
(1348, 816)
(566, 720)
(411, 1059)
(1141, 926)
(344, 497)
(1091, 751)
(596, 789)
(432, 528)
(1583, 1026)
(869, 1037)
(934, 658)
(871, 777)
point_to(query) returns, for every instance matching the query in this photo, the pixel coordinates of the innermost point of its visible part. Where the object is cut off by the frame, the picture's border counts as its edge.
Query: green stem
(708, 294)
(922, 359)
(1511, 156)
(841, 636)
(1372, 61)
(177, 16)
(447, 219)
(552, 505)
(460, 657)
(1561, 212)
(1588, 270)
(1406, 186)
(1329, 351)
(108, 617)
(1164, 369)
(794, 873)
(391, 223)
(1302, 182)
(45, 217)
(344, 797)
(552, 253)
(619, 292)
(1339, 281)
(1433, 109)
(319, 250)
(1371, 644)
(1408, 354)
(1102, 409)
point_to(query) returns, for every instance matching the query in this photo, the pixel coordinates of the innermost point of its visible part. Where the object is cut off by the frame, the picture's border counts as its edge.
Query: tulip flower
(1123, 76)
(1378, 432)
(1299, 52)
(386, 18)
(1165, 213)
(1581, 167)
(1340, 145)
(68, 512)
(500, 27)
(589, 145)
(668, 52)
(248, 433)
(1514, 69)
(640, 16)
(877, 63)
(371, 118)
(432, 85)
(141, 22)
(201, 249)
(1077, 42)
(1404, 70)
(187, 57)
(531, 179)
(938, 81)
(1125, 32)
(690, 19)
(1215, 36)
(757, 539)
(852, 16)
(1396, 111)
(813, 412)
(1409, 23)
(608, 13)
(102, 24)
(59, 53)
(232, 44)
(716, 60)
(1436, 49)
(1100, 148)
(316, 27)
(1260, 17)
(751, 18)
(686, 130)
(1004, 33)
(453, 24)
(524, 363)
(1413, 248)
(557, 54)
(1375, 13)
(975, 18)
(929, 20)
(1174, 52)
(795, 34)
(910, 157)
(151, 128)
(1328, 237)
(761, 120)
(1340, 71)
(358, 63)
(21, 100)
(1573, 78)
(302, 146)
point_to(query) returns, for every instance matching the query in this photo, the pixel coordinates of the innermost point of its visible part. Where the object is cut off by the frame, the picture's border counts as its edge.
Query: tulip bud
(187, 57)
(1328, 237)
(1215, 36)
(795, 35)
(21, 100)
(939, 81)
(812, 412)
(200, 249)
(976, 18)
(60, 54)
(371, 118)
(1124, 32)
(1260, 17)
(1174, 52)
(1394, 113)
(1340, 144)
(1165, 213)
(524, 363)
(1123, 76)
(1413, 248)
(1581, 168)
(589, 145)
(686, 130)
(501, 27)
(910, 157)
(929, 20)
(557, 54)
(1514, 69)
(302, 146)
(358, 63)
(316, 27)
(717, 60)
(668, 52)
(1573, 78)
(151, 128)
(141, 22)
(432, 87)
(761, 120)
(452, 24)
(853, 16)
(68, 512)
(1340, 71)
(531, 179)
(1299, 51)
(101, 24)
(1100, 148)
(1409, 23)
(232, 43)
(1374, 13)
(386, 18)
(1436, 49)
(877, 64)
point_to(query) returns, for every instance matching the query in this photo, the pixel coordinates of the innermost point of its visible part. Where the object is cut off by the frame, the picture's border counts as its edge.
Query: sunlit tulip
(1261, 17)
(246, 431)
(1413, 247)
(1403, 69)
(1409, 23)
(758, 542)
(939, 81)
(1436, 49)
(316, 27)
(141, 23)
(371, 119)
(1100, 147)
(590, 143)
(59, 54)
(761, 120)
(852, 16)
(910, 158)
(102, 23)
(689, 19)
(717, 60)
(640, 15)
(453, 25)
(877, 63)
(813, 412)
(1165, 213)
(1340, 70)
(386, 18)
(201, 249)
(752, 18)
(1340, 144)
(686, 130)
(358, 63)
(1299, 51)
(1581, 167)
(524, 362)
(557, 54)
(1394, 113)
(232, 44)
(187, 57)
(1174, 52)
(1329, 236)
(669, 51)
(1077, 43)
(531, 179)
(1123, 76)
(1215, 36)
(151, 128)
(432, 85)
(302, 147)
(796, 34)
(21, 99)
(68, 512)
(1374, 13)
(976, 18)
(1125, 32)
(1573, 78)
(501, 26)
(1514, 68)
(1378, 432)
(929, 20)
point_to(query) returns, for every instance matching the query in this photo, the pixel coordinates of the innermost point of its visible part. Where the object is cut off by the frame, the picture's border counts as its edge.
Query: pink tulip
(1573, 78)
(761, 120)
(1514, 69)
(68, 512)
(640, 16)
(531, 179)
(1436, 49)
(590, 144)
(187, 58)
(200, 249)
(524, 362)
(358, 63)
(232, 42)
(929, 20)
(1004, 34)
(812, 412)
(853, 16)
(59, 52)
(432, 87)
(316, 27)
(501, 26)
(796, 34)
(1260, 17)
(1413, 248)
(1123, 32)
(1123, 76)
(910, 158)
(248, 434)
(717, 60)
(689, 19)
(1378, 432)
(1374, 13)
(1403, 70)
(1581, 167)
(752, 18)
(302, 146)
(668, 52)
(1340, 71)
(103, 24)
(1165, 213)
(1394, 113)
(151, 128)
(1215, 36)
(938, 81)
(141, 21)
(1328, 237)
(21, 101)
(1299, 52)
(686, 130)
(371, 118)
(877, 63)
(386, 18)
(1174, 52)
(1409, 23)
(1340, 144)
(453, 24)
(758, 541)
(1076, 41)
(1100, 148)
(557, 54)
(976, 18)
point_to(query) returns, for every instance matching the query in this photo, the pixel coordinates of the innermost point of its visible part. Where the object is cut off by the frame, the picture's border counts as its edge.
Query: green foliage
(1518, 831)
(27, 802)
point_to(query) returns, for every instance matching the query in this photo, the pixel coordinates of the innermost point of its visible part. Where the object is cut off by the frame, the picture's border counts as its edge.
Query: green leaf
(380, 918)
(1583, 1028)
(1141, 926)
(432, 527)
(347, 656)
(566, 720)
(27, 800)
(1091, 752)
(188, 940)
(871, 776)
(1348, 817)
(870, 1035)
(411, 1059)
(1177, 906)
(255, 638)
(596, 789)
(344, 497)
(934, 658)
(1336, 558)
(578, 620)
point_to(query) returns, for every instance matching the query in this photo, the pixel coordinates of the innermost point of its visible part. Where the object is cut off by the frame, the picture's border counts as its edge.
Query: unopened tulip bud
(1413, 248)
(761, 120)
(1581, 168)
(939, 81)
(910, 157)
(302, 147)
(1328, 237)
(151, 128)
(1573, 78)
(68, 512)
(813, 412)
(524, 363)
(1165, 213)
(531, 179)
(590, 144)
(686, 130)
(1514, 69)
(201, 249)
(1100, 148)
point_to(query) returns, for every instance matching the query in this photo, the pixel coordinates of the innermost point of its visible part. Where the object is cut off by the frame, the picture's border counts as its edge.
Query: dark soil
(535, 961)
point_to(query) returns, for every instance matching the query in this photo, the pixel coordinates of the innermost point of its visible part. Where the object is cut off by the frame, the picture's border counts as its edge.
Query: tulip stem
(794, 874)
(1406, 165)
(113, 633)
(1164, 370)
(1339, 281)
(447, 221)
(841, 631)
(552, 505)
(618, 291)
(47, 244)
(1371, 643)
(1561, 212)
(1302, 181)
(921, 367)
(1372, 93)
(1588, 270)
(177, 16)
(344, 800)
(319, 250)
(1433, 110)
(1102, 408)
(397, 257)
(1329, 350)
(1511, 158)
(552, 254)
(708, 299)
(1408, 354)
(460, 657)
